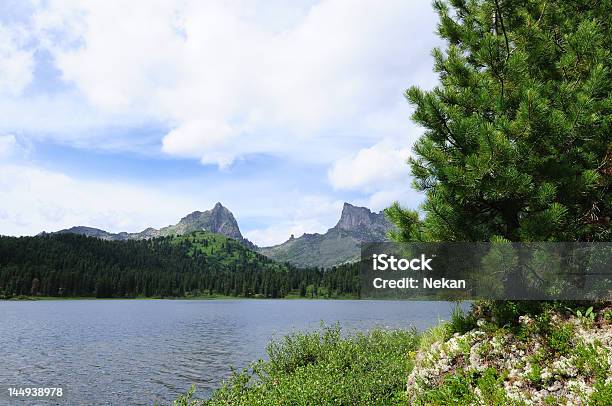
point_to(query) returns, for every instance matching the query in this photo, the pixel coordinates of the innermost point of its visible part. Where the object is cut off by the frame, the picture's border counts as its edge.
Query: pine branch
(503, 27)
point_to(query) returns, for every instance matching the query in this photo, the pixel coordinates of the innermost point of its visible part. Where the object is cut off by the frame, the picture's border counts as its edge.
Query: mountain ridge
(219, 220)
(337, 245)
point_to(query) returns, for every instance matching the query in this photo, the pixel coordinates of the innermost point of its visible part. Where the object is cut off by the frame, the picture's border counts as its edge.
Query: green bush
(461, 321)
(602, 395)
(325, 368)
(456, 389)
(186, 399)
(590, 362)
(560, 338)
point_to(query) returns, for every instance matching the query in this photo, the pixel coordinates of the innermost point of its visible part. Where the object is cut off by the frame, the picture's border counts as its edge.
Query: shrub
(457, 388)
(560, 338)
(325, 368)
(602, 395)
(461, 321)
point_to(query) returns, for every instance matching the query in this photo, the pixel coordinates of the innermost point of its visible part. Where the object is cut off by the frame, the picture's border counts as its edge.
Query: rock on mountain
(91, 232)
(338, 245)
(217, 220)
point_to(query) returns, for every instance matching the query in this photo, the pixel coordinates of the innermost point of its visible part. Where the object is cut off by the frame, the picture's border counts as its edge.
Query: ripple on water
(121, 352)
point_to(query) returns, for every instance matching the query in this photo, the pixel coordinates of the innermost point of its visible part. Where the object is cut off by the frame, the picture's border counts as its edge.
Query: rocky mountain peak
(223, 221)
(354, 217)
(217, 220)
(338, 245)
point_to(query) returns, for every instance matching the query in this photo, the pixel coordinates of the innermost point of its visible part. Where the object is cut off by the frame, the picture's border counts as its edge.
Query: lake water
(131, 352)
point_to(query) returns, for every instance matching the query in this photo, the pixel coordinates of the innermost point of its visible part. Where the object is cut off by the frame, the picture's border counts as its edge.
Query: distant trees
(74, 265)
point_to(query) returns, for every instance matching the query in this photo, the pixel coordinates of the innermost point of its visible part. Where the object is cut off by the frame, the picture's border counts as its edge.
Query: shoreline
(536, 354)
(203, 298)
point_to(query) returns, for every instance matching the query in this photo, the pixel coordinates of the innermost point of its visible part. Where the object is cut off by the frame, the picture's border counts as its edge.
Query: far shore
(203, 297)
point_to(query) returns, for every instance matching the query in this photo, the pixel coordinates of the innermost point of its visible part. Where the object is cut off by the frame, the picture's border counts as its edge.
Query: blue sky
(127, 115)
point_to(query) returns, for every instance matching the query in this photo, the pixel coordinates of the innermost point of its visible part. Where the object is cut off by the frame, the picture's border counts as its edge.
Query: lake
(132, 352)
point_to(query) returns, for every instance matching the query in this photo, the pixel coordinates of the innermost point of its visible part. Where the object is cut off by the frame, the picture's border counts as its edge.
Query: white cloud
(371, 168)
(315, 83)
(381, 171)
(279, 233)
(401, 192)
(35, 199)
(8, 145)
(16, 63)
(235, 78)
(313, 214)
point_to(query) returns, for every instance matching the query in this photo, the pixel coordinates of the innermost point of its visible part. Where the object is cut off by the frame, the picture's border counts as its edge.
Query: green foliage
(439, 333)
(193, 265)
(299, 350)
(409, 228)
(560, 338)
(590, 362)
(588, 316)
(535, 374)
(187, 399)
(518, 140)
(461, 321)
(602, 395)
(542, 351)
(456, 389)
(491, 387)
(325, 368)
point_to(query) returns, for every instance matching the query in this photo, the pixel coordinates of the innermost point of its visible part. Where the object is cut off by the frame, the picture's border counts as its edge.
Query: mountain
(218, 220)
(338, 245)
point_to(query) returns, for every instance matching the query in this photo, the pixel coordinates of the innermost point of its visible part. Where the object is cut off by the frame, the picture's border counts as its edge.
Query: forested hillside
(196, 264)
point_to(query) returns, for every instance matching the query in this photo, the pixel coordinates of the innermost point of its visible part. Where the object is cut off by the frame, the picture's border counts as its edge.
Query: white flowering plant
(547, 356)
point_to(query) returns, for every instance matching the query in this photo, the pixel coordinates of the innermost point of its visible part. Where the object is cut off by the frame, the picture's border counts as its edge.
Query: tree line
(69, 265)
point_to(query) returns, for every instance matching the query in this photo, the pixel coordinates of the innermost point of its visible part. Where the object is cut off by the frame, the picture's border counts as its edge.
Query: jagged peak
(354, 216)
(348, 208)
(219, 220)
(220, 209)
(217, 209)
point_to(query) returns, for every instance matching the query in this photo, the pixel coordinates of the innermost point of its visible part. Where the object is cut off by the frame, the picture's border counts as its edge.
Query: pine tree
(517, 142)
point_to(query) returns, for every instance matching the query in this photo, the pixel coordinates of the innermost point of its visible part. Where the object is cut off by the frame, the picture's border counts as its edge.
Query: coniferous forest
(194, 265)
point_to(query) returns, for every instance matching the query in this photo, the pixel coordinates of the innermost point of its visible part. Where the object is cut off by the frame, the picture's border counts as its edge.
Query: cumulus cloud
(313, 214)
(16, 63)
(371, 168)
(380, 170)
(224, 73)
(8, 145)
(401, 192)
(34, 199)
(314, 84)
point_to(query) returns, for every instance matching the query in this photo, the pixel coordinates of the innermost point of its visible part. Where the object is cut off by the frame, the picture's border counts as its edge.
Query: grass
(323, 367)
(222, 250)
